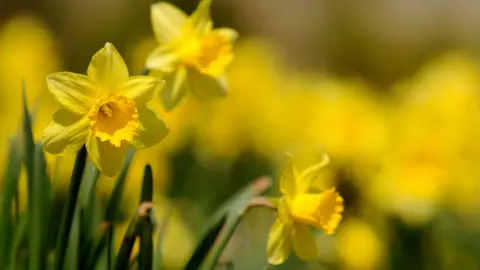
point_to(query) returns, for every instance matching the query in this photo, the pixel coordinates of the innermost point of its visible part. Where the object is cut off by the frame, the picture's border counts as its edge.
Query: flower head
(106, 110)
(191, 52)
(297, 208)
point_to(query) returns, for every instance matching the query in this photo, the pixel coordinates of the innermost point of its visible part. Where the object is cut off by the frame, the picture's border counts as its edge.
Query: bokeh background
(389, 89)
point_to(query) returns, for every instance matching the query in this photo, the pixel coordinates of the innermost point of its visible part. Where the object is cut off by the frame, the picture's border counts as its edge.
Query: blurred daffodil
(106, 110)
(359, 245)
(192, 54)
(297, 209)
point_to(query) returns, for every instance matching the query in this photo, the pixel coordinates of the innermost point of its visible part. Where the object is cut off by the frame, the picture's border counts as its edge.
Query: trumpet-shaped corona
(297, 210)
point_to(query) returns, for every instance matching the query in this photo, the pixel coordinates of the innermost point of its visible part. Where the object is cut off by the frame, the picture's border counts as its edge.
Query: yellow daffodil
(193, 55)
(106, 110)
(297, 209)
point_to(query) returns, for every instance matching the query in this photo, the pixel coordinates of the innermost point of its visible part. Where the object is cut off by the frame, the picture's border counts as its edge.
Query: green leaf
(145, 255)
(18, 239)
(98, 247)
(10, 187)
(39, 214)
(201, 251)
(128, 242)
(233, 212)
(147, 187)
(29, 147)
(69, 210)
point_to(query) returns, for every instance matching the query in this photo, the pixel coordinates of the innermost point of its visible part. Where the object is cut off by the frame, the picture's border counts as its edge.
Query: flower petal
(141, 88)
(107, 68)
(306, 177)
(175, 88)
(200, 19)
(204, 85)
(108, 158)
(162, 58)
(279, 243)
(287, 181)
(152, 130)
(304, 243)
(74, 92)
(167, 22)
(68, 136)
(229, 33)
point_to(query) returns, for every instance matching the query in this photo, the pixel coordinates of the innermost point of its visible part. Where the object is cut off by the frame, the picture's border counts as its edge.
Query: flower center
(209, 55)
(115, 119)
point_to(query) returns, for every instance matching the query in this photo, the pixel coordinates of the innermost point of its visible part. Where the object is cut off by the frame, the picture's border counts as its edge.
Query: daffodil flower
(297, 210)
(191, 53)
(106, 110)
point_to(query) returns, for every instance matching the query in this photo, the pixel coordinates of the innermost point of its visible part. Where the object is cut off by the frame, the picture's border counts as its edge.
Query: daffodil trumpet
(298, 210)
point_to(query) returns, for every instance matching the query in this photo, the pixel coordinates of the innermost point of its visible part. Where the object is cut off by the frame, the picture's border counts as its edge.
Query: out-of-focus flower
(252, 116)
(105, 110)
(192, 54)
(297, 208)
(434, 141)
(359, 247)
(28, 52)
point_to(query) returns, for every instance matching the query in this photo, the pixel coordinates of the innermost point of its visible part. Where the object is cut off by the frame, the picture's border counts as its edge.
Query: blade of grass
(145, 256)
(97, 248)
(10, 188)
(234, 211)
(147, 187)
(205, 245)
(69, 210)
(128, 242)
(18, 239)
(29, 146)
(38, 247)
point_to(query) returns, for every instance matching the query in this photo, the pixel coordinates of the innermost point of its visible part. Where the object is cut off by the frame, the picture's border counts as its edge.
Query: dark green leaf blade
(39, 213)
(233, 211)
(10, 187)
(69, 210)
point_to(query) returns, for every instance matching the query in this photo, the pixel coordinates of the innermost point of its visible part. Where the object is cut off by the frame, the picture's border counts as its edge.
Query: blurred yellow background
(389, 89)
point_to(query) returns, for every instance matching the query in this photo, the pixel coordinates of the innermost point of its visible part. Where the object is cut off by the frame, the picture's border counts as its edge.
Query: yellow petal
(200, 19)
(283, 212)
(175, 88)
(279, 243)
(304, 243)
(152, 128)
(66, 136)
(108, 158)
(205, 85)
(305, 179)
(108, 69)
(229, 33)
(162, 58)
(167, 22)
(75, 92)
(322, 210)
(287, 181)
(141, 88)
